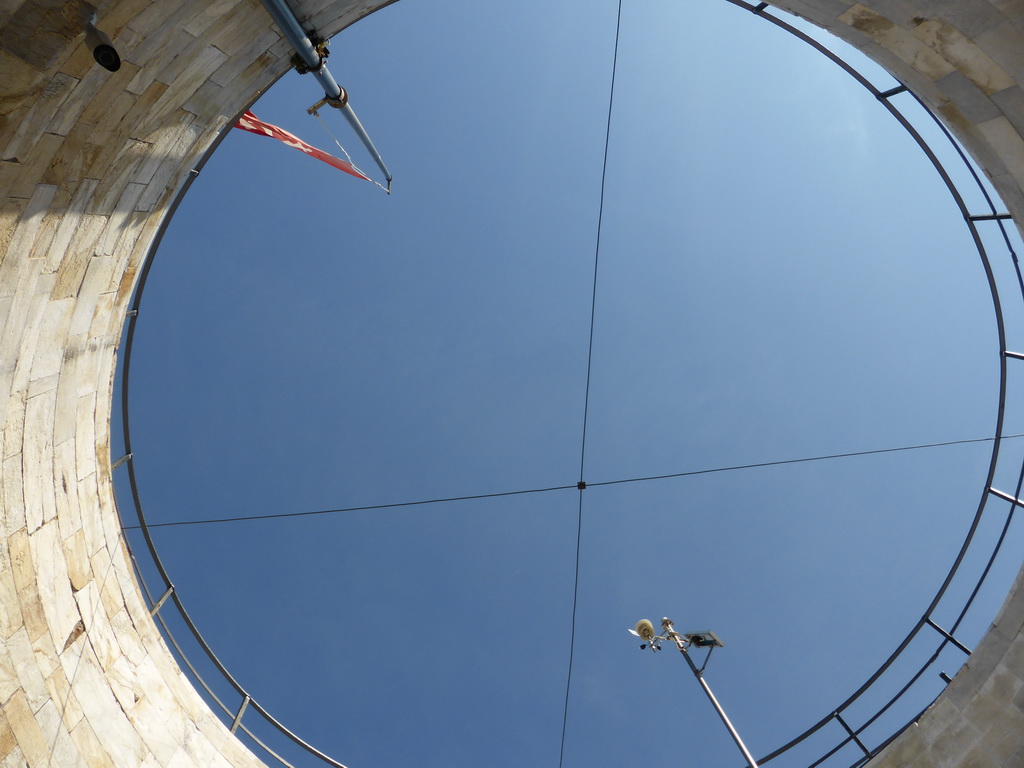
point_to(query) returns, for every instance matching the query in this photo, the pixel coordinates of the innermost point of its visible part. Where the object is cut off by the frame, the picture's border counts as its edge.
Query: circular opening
(780, 276)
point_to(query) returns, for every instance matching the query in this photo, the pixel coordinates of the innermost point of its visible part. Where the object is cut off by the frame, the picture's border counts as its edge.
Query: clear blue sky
(781, 275)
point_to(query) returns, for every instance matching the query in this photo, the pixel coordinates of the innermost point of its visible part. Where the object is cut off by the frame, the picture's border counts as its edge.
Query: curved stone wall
(89, 164)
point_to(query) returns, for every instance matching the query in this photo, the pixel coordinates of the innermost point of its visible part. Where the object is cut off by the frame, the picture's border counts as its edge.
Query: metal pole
(681, 645)
(287, 22)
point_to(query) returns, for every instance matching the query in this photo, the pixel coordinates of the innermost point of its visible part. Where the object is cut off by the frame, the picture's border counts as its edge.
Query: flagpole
(316, 63)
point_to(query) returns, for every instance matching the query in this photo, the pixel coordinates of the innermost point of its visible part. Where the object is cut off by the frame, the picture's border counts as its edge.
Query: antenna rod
(681, 644)
(316, 63)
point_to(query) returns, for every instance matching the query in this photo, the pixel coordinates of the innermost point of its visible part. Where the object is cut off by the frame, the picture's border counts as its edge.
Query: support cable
(648, 478)
(586, 396)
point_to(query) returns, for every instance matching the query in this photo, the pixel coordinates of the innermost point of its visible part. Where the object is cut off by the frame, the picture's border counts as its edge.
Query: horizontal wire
(352, 509)
(799, 461)
(574, 486)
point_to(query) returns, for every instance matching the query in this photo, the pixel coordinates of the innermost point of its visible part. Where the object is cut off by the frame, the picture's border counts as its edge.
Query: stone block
(115, 733)
(953, 741)
(53, 582)
(154, 18)
(206, 104)
(910, 49)
(85, 441)
(162, 151)
(258, 73)
(1010, 618)
(1001, 135)
(25, 233)
(52, 326)
(245, 35)
(121, 170)
(23, 571)
(37, 452)
(982, 663)
(1001, 47)
(93, 614)
(110, 99)
(973, 103)
(43, 385)
(9, 682)
(77, 558)
(156, 705)
(121, 678)
(43, 112)
(128, 639)
(14, 504)
(122, 225)
(901, 752)
(34, 164)
(1005, 736)
(65, 414)
(70, 222)
(937, 718)
(92, 526)
(994, 700)
(31, 684)
(61, 693)
(16, 759)
(66, 166)
(46, 654)
(10, 169)
(26, 730)
(103, 562)
(7, 739)
(10, 615)
(969, 18)
(89, 746)
(978, 757)
(11, 210)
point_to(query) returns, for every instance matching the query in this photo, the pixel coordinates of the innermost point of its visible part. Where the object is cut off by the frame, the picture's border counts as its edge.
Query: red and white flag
(249, 122)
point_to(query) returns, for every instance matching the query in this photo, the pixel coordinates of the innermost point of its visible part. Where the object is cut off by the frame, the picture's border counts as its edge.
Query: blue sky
(781, 275)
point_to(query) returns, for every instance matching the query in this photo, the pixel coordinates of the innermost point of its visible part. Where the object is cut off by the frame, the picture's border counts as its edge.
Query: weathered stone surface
(89, 163)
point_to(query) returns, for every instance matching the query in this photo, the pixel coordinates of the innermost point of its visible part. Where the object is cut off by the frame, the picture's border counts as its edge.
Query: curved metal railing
(852, 727)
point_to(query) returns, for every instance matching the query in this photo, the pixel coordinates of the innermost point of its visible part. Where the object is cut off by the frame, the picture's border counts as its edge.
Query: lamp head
(645, 629)
(103, 50)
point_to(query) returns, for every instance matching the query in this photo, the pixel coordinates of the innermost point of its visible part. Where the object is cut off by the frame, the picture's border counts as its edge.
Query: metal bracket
(337, 103)
(850, 731)
(241, 711)
(892, 92)
(161, 601)
(948, 636)
(990, 217)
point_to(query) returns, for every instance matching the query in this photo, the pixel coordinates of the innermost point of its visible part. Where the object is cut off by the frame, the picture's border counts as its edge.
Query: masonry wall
(89, 163)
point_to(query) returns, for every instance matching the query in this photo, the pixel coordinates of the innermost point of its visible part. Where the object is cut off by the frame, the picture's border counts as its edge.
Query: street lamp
(645, 631)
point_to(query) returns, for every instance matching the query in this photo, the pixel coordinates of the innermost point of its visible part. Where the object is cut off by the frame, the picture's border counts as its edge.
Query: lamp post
(645, 630)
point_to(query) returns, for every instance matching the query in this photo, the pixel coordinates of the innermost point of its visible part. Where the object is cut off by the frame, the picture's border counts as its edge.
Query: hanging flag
(249, 122)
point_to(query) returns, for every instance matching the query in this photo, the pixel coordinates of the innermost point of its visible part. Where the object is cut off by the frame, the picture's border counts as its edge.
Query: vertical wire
(586, 396)
(597, 244)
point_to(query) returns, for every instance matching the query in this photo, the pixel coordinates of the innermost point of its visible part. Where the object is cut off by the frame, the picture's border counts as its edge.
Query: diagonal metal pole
(290, 27)
(681, 644)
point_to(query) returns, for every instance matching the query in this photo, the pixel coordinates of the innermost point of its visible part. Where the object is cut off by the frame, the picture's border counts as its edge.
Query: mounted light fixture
(644, 629)
(102, 48)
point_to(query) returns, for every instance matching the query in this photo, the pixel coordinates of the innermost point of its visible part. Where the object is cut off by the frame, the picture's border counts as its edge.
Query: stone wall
(89, 164)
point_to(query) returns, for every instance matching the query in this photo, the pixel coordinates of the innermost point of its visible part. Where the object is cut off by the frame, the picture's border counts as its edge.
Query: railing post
(161, 601)
(853, 734)
(241, 711)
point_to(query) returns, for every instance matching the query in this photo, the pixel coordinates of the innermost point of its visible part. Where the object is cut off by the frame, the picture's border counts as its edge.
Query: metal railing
(851, 728)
